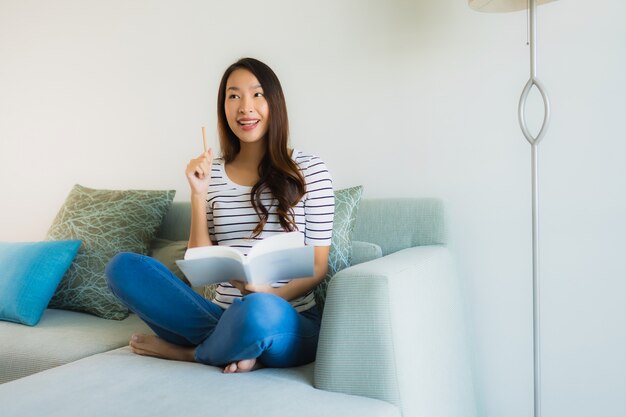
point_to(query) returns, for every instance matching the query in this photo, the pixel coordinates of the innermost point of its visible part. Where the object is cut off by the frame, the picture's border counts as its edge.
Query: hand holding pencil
(198, 170)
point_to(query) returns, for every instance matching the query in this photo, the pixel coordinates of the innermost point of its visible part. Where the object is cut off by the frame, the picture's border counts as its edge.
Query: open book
(280, 257)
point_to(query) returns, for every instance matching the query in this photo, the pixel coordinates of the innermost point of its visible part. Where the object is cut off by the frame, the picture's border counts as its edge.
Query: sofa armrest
(393, 330)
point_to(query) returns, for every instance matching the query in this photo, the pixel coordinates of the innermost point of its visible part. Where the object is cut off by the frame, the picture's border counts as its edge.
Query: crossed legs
(260, 329)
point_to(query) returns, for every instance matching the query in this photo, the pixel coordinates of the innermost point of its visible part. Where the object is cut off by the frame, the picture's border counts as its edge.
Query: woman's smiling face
(246, 108)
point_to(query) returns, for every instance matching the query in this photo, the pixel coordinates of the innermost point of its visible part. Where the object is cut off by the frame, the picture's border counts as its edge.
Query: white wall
(407, 98)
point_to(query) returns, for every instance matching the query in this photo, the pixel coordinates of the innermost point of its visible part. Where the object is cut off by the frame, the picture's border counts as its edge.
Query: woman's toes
(230, 368)
(246, 365)
(136, 339)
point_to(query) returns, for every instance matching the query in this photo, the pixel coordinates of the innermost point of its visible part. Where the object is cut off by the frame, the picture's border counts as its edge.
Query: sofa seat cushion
(60, 337)
(120, 383)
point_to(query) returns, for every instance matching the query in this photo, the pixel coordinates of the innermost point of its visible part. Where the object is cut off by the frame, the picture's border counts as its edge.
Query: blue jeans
(261, 326)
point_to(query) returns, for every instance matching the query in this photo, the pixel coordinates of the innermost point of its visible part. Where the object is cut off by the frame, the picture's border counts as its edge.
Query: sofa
(392, 343)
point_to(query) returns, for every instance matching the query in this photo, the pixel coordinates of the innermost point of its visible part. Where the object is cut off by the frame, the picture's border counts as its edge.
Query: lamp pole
(534, 141)
(533, 81)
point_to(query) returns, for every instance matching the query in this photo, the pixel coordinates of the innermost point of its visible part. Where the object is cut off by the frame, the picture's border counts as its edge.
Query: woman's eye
(258, 94)
(233, 96)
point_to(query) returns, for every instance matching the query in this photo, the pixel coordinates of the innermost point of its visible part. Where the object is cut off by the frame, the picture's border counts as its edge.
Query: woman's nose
(245, 106)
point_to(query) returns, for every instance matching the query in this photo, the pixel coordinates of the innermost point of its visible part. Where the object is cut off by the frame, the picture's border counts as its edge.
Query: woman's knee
(119, 264)
(121, 268)
(267, 312)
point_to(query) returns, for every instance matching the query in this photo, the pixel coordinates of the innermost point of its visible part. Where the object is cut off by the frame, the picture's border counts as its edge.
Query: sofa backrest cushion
(391, 223)
(400, 223)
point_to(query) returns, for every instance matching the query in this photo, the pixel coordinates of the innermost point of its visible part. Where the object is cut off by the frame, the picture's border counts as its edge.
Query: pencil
(204, 139)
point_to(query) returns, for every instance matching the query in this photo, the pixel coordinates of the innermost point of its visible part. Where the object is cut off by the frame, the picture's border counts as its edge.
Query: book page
(276, 243)
(286, 264)
(211, 270)
(214, 250)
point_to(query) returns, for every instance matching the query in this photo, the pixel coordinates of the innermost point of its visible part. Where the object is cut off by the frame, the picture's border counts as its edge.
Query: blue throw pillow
(29, 275)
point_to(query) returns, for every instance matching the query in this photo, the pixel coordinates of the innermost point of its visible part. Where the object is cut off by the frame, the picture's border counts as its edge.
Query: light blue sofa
(392, 343)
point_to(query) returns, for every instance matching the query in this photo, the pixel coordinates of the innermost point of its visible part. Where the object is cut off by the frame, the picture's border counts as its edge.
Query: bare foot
(245, 365)
(151, 345)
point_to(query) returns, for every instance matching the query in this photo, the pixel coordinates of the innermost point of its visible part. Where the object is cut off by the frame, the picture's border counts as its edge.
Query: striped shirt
(231, 217)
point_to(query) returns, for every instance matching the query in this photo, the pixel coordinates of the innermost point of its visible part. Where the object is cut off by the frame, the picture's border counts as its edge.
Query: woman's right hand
(199, 173)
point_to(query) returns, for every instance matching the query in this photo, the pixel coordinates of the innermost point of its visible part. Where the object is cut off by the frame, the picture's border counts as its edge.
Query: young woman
(259, 187)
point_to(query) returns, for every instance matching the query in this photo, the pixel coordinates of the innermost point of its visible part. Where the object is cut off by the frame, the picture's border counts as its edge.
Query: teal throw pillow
(29, 274)
(340, 257)
(108, 222)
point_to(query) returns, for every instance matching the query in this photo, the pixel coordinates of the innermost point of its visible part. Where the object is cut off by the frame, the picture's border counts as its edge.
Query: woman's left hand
(246, 289)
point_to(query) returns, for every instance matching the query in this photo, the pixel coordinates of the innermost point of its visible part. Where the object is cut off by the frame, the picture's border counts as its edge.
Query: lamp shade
(501, 5)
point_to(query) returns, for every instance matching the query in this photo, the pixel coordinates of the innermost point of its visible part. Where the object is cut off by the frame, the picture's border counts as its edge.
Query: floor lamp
(510, 6)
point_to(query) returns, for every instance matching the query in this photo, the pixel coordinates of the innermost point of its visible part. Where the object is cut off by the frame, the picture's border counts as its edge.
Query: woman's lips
(248, 124)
